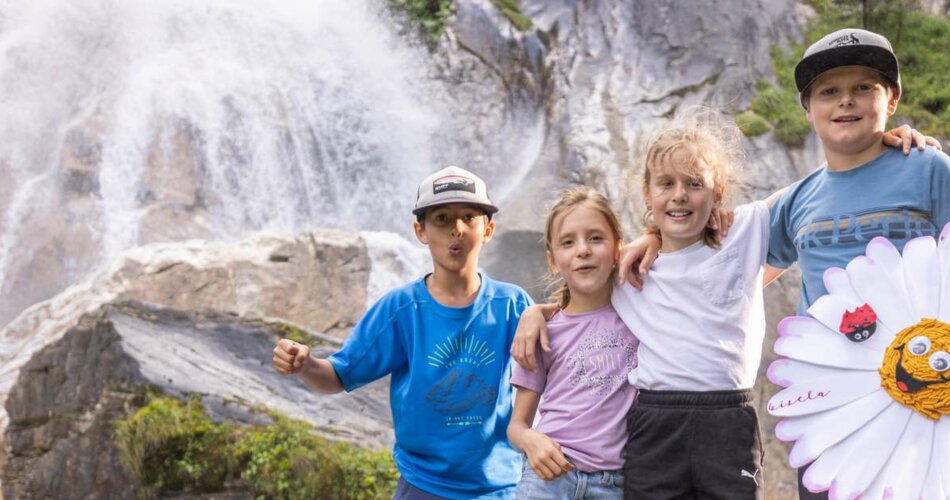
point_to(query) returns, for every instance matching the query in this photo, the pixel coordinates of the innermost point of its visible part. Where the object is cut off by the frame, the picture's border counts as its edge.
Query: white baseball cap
(452, 185)
(847, 47)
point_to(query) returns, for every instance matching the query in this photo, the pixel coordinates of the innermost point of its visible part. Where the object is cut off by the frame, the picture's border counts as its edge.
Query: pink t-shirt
(584, 385)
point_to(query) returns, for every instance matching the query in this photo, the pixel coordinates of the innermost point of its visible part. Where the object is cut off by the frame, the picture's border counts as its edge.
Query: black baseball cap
(847, 47)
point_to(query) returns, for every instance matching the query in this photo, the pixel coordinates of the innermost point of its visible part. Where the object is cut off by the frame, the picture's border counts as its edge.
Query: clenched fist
(289, 356)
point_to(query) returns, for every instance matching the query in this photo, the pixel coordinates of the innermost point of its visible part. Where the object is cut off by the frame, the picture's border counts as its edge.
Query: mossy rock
(172, 447)
(751, 124)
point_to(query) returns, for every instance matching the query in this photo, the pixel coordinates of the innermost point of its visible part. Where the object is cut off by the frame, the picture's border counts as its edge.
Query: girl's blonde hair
(702, 134)
(568, 199)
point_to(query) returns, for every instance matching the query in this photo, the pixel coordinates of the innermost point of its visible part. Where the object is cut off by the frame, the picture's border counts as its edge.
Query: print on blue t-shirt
(828, 218)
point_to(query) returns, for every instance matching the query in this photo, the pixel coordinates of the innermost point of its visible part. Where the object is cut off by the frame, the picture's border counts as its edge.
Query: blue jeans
(406, 491)
(600, 485)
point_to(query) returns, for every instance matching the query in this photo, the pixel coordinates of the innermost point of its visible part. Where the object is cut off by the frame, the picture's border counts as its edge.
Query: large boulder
(191, 318)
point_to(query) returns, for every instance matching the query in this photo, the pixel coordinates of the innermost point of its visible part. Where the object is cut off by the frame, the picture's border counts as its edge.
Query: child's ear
(892, 99)
(551, 266)
(489, 230)
(420, 231)
(718, 197)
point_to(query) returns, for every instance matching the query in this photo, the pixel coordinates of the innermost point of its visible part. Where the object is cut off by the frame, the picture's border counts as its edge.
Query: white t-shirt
(700, 317)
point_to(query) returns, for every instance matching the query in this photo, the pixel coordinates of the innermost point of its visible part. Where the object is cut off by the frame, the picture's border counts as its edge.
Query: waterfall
(130, 121)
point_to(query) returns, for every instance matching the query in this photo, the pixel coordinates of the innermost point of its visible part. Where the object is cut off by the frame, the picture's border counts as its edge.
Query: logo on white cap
(453, 183)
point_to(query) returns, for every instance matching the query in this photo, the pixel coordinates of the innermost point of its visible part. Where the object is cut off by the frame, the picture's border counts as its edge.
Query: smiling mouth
(846, 119)
(907, 382)
(679, 213)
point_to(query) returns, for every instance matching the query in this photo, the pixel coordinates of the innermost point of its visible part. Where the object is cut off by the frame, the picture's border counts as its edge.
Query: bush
(429, 14)
(173, 446)
(751, 124)
(170, 447)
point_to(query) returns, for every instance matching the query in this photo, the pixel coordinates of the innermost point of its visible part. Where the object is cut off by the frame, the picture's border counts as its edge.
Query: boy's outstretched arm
(905, 137)
(294, 358)
(544, 455)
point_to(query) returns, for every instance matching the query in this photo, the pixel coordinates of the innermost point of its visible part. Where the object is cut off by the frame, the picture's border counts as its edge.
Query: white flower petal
(785, 372)
(820, 474)
(805, 339)
(903, 475)
(885, 254)
(874, 286)
(921, 277)
(821, 430)
(823, 393)
(943, 249)
(942, 443)
(830, 310)
(791, 428)
(838, 283)
(933, 484)
(876, 442)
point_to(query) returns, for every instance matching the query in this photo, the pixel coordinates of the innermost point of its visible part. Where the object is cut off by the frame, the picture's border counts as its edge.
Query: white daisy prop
(867, 376)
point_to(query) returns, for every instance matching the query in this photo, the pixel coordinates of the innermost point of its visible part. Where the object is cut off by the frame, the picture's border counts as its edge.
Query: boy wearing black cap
(445, 339)
(849, 84)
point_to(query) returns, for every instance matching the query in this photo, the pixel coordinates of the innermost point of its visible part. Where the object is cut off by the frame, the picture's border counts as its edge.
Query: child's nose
(679, 192)
(583, 248)
(458, 229)
(846, 99)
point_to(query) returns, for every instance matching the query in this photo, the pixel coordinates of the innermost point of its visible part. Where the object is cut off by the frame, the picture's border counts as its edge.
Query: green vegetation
(751, 124)
(288, 331)
(170, 446)
(512, 11)
(919, 40)
(429, 14)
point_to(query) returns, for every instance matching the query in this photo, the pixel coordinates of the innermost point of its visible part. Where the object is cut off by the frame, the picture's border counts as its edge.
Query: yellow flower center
(916, 368)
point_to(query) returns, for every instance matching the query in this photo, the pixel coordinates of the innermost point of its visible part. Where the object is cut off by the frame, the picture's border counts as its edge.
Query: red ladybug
(860, 324)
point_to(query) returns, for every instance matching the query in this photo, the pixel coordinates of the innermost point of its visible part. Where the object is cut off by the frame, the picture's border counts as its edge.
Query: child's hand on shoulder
(636, 258)
(905, 137)
(545, 456)
(289, 356)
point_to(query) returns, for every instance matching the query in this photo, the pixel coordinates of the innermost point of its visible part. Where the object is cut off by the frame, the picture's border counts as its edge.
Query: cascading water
(130, 121)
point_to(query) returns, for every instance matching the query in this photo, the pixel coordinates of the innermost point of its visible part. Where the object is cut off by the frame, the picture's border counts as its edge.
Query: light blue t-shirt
(827, 218)
(449, 392)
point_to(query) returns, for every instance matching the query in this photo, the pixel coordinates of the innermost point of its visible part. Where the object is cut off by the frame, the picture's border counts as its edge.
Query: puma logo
(751, 475)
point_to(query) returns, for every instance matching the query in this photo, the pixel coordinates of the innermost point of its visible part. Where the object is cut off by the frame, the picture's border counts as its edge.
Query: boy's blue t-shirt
(827, 218)
(449, 392)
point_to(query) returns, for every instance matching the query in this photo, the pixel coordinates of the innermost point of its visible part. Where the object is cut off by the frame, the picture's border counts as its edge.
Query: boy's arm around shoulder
(772, 272)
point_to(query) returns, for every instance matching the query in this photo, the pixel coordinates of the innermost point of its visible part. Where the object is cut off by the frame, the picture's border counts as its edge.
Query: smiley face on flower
(916, 368)
(866, 376)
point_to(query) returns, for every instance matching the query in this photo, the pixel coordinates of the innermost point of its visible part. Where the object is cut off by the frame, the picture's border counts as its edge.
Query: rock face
(72, 365)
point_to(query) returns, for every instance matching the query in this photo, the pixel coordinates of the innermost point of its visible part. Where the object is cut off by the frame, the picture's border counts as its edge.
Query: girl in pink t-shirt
(578, 441)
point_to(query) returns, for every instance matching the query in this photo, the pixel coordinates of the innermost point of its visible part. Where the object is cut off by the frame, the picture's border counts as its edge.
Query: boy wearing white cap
(444, 338)
(849, 85)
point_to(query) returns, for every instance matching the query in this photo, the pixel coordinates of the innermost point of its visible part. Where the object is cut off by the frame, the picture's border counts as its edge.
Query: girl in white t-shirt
(694, 431)
(584, 376)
